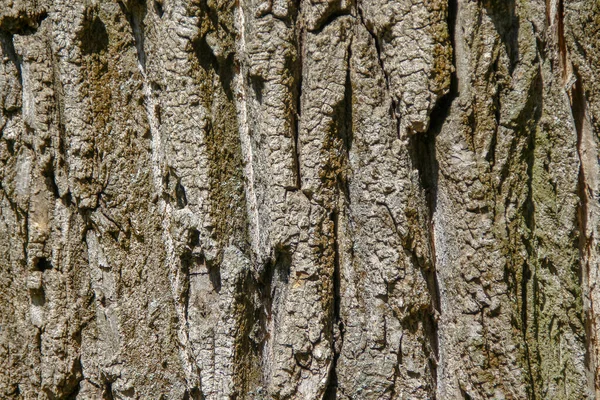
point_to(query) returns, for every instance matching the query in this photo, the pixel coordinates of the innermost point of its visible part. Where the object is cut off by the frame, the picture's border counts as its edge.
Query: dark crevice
(430, 323)
(190, 261)
(10, 146)
(394, 107)
(10, 111)
(193, 239)
(93, 36)
(180, 195)
(107, 392)
(332, 383)
(329, 19)
(213, 57)
(578, 108)
(490, 156)
(337, 323)
(271, 286)
(370, 31)
(184, 294)
(214, 275)
(579, 112)
(38, 340)
(158, 8)
(297, 94)
(58, 100)
(527, 123)
(464, 394)
(128, 393)
(257, 84)
(445, 102)
(210, 12)
(422, 147)
(426, 162)
(246, 363)
(38, 296)
(42, 264)
(348, 131)
(525, 278)
(403, 239)
(24, 220)
(506, 22)
(23, 22)
(226, 73)
(77, 377)
(193, 394)
(423, 153)
(50, 179)
(205, 55)
(274, 279)
(336, 269)
(526, 275)
(8, 50)
(174, 189)
(399, 359)
(135, 12)
(344, 131)
(562, 45)
(223, 66)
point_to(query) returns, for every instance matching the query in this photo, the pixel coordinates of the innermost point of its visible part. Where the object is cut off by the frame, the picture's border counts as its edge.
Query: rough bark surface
(312, 199)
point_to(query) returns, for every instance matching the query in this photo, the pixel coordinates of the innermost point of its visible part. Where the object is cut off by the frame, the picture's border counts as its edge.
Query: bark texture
(312, 199)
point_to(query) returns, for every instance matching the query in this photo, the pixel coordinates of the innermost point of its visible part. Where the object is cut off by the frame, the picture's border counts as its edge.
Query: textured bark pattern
(277, 199)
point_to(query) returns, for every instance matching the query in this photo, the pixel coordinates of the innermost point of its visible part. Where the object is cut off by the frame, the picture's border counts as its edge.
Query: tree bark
(273, 199)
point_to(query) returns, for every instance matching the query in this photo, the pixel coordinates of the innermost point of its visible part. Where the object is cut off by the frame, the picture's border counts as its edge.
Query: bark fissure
(8, 50)
(527, 272)
(562, 44)
(331, 18)
(337, 323)
(394, 111)
(375, 43)
(423, 153)
(298, 105)
(586, 151)
(135, 16)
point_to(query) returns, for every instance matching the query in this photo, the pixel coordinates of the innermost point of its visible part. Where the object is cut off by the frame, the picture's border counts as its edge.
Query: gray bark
(273, 199)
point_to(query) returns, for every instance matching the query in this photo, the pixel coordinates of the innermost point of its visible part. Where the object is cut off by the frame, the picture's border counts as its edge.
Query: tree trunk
(272, 199)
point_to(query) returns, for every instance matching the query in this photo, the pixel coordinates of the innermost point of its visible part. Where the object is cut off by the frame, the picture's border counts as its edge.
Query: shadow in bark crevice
(423, 154)
(506, 23)
(93, 36)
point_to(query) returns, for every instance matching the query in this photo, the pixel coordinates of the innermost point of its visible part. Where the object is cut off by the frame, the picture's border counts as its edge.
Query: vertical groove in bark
(337, 324)
(423, 155)
(298, 75)
(527, 273)
(588, 171)
(8, 50)
(247, 147)
(562, 46)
